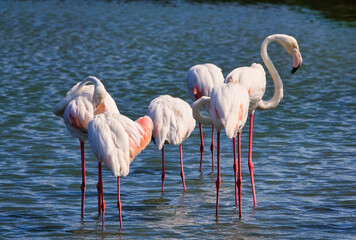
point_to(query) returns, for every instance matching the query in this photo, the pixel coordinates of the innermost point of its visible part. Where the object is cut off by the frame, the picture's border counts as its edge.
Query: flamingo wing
(229, 108)
(172, 119)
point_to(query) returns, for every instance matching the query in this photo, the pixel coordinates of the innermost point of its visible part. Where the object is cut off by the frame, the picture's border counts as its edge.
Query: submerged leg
(163, 177)
(235, 168)
(181, 167)
(119, 200)
(201, 147)
(250, 164)
(83, 186)
(239, 180)
(212, 147)
(218, 180)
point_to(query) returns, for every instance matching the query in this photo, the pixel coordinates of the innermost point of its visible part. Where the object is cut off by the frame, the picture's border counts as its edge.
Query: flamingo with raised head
(173, 122)
(79, 106)
(201, 79)
(116, 140)
(254, 79)
(228, 110)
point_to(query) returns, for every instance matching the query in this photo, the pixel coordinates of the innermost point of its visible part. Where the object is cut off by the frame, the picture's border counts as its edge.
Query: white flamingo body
(173, 122)
(79, 106)
(229, 105)
(116, 140)
(254, 79)
(201, 79)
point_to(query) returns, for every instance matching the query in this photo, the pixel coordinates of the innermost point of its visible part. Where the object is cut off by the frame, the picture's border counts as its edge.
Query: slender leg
(98, 187)
(163, 169)
(201, 147)
(239, 180)
(181, 167)
(218, 180)
(101, 191)
(235, 168)
(212, 147)
(250, 164)
(83, 186)
(119, 200)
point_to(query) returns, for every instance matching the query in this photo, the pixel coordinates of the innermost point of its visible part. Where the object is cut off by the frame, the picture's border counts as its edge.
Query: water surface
(304, 150)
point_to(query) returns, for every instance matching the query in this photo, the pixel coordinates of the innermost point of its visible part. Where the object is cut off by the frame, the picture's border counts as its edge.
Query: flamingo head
(291, 46)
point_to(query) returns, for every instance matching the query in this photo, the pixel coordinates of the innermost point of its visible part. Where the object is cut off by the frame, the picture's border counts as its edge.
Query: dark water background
(304, 150)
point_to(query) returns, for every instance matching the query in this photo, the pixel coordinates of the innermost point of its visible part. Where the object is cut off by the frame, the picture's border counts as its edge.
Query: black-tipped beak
(295, 69)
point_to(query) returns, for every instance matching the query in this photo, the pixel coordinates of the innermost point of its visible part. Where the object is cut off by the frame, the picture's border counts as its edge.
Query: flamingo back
(229, 107)
(202, 78)
(117, 140)
(79, 112)
(253, 78)
(172, 119)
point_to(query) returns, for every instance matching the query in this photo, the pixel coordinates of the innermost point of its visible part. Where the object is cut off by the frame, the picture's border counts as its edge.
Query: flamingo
(173, 123)
(228, 109)
(201, 79)
(79, 106)
(116, 140)
(254, 79)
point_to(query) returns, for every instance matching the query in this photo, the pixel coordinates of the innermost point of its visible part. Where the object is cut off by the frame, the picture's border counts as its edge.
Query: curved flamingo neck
(59, 108)
(277, 82)
(196, 111)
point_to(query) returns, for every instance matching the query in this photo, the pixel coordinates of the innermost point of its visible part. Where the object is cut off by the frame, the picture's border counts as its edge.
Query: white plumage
(172, 119)
(173, 122)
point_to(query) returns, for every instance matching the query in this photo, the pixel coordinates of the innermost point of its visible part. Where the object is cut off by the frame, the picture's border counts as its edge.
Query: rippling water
(304, 150)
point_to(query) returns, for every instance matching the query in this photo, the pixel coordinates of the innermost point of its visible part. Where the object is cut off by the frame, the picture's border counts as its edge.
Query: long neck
(59, 108)
(278, 85)
(196, 111)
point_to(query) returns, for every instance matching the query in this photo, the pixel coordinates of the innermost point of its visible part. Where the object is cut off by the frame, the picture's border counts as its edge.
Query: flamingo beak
(297, 60)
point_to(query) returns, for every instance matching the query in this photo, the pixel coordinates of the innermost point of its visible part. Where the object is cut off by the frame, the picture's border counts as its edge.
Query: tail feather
(146, 135)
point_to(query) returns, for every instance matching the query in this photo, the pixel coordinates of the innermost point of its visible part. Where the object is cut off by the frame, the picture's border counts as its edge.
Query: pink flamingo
(173, 123)
(228, 109)
(79, 106)
(116, 140)
(254, 79)
(201, 79)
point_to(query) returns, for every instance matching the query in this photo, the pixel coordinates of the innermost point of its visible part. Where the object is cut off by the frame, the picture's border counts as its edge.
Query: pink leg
(235, 168)
(218, 180)
(98, 187)
(163, 169)
(239, 180)
(119, 200)
(212, 147)
(101, 192)
(181, 167)
(250, 164)
(83, 186)
(201, 147)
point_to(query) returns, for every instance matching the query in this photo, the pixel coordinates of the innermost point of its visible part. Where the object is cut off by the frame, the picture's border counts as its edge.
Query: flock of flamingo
(89, 112)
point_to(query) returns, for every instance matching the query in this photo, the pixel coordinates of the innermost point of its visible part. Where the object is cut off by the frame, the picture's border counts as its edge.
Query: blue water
(304, 150)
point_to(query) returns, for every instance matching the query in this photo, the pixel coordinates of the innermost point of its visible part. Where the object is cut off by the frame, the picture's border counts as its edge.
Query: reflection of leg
(212, 147)
(201, 147)
(239, 180)
(181, 167)
(235, 168)
(83, 186)
(163, 169)
(250, 164)
(218, 180)
(119, 200)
